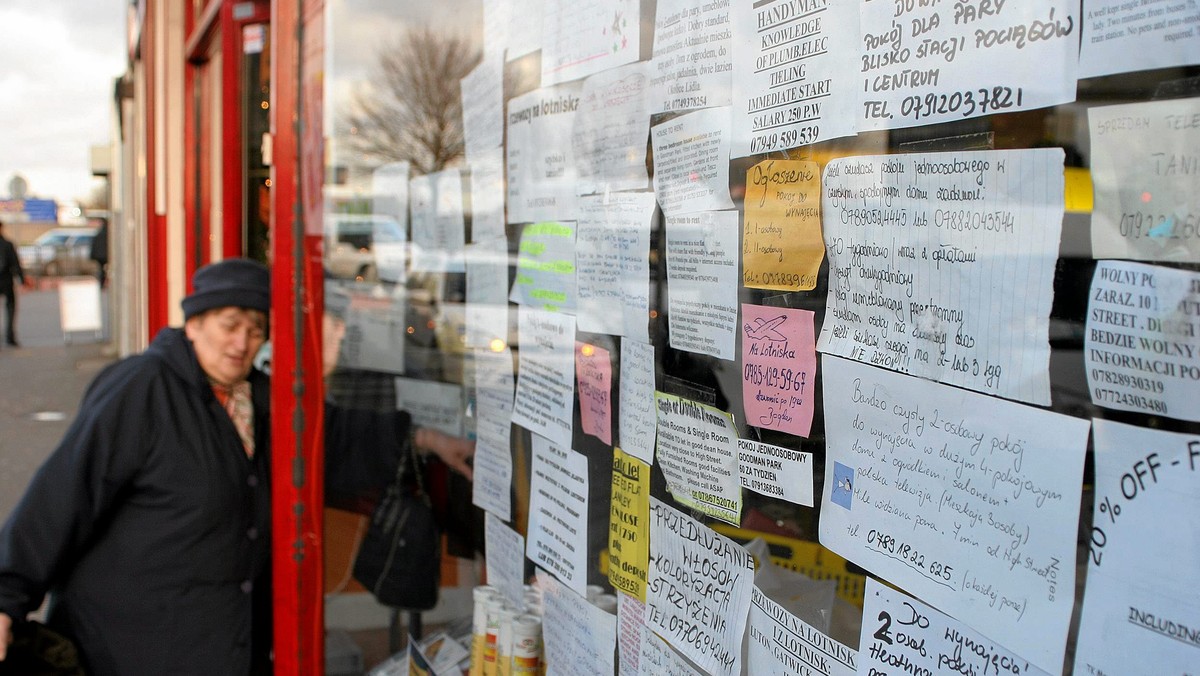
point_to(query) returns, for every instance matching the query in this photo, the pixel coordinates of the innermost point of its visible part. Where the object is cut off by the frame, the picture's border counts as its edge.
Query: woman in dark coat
(150, 523)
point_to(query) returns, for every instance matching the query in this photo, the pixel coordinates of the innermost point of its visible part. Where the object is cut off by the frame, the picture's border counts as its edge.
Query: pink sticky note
(593, 373)
(779, 362)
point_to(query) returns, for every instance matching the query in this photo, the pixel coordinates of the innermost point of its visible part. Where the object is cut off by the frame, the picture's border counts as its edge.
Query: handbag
(400, 558)
(38, 650)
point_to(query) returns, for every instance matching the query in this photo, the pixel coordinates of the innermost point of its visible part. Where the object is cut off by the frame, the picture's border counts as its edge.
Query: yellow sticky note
(782, 246)
(628, 526)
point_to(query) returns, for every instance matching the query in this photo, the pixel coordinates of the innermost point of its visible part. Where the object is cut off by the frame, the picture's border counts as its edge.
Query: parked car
(366, 247)
(60, 251)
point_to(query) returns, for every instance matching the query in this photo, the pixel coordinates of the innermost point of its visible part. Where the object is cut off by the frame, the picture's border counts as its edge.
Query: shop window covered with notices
(797, 336)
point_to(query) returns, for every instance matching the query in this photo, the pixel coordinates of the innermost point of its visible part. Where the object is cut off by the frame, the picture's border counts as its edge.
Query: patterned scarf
(237, 403)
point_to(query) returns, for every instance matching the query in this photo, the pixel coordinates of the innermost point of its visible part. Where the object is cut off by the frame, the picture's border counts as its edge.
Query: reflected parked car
(60, 251)
(366, 247)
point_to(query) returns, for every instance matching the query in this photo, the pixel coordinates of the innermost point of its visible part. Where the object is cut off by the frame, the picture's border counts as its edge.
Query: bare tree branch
(412, 108)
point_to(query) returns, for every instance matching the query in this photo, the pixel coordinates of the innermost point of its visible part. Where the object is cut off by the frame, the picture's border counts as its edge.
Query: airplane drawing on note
(767, 329)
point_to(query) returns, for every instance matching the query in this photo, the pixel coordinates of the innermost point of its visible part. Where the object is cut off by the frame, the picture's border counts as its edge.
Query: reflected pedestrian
(99, 251)
(10, 269)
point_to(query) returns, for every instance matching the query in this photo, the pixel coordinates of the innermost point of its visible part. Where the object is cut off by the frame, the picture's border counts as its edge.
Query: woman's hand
(456, 452)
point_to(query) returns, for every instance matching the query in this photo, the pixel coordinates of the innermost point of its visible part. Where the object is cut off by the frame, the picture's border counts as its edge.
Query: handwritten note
(546, 374)
(492, 485)
(629, 525)
(1121, 37)
(942, 265)
(579, 637)
(389, 191)
(505, 559)
(1142, 345)
(657, 657)
(582, 38)
(612, 264)
(375, 333)
(558, 507)
(486, 313)
(546, 267)
(702, 284)
(697, 450)
(781, 240)
(483, 106)
(795, 70)
(611, 128)
(693, 61)
(593, 373)
(541, 164)
(698, 591)
(926, 62)
(487, 194)
(779, 366)
(970, 502)
(776, 471)
(691, 162)
(638, 419)
(438, 225)
(431, 404)
(901, 635)
(782, 644)
(1144, 165)
(1141, 567)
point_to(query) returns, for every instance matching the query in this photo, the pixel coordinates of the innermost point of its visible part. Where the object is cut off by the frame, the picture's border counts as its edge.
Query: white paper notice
(697, 450)
(656, 657)
(1144, 170)
(546, 267)
(438, 225)
(487, 194)
(1140, 611)
(431, 404)
(611, 127)
(375, 333)
(691, 162)
(546, 380)
(505, 559)
(579, 637)
(1142, 344)
(970, 502)
(541, 165)
(698, 590)
(776, 471)
(942, 265)
(1121, 37)
(389, 191)
(924, 62)
(487, 296)
(782, 644)
(796, 69)
(638, 419)
(587, 36)
(702, 282)
(483, 106)
(693, 59)
(524, 29)
(631, 631)
(493, 432)
(612, 264)
(558, 509)
(901, 635)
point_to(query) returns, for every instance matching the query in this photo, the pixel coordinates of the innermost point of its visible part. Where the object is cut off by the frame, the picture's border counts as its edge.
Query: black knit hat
(233, 282)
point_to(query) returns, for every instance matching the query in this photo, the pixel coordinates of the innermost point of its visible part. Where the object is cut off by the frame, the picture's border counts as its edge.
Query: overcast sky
(60, 59)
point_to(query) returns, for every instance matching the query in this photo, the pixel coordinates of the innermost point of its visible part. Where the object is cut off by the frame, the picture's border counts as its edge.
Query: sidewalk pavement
(41, 384)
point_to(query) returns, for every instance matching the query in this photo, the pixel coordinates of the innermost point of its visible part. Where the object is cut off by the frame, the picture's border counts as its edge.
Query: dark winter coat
(151, 527)
(10, 266)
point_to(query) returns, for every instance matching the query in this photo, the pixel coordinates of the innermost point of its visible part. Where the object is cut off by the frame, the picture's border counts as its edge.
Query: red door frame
(297, 469)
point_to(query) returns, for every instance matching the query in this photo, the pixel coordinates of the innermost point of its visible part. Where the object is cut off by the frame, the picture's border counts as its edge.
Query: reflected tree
(412, 107)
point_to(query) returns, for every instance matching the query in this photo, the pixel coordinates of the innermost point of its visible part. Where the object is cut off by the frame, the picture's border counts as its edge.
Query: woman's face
(226, 340)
